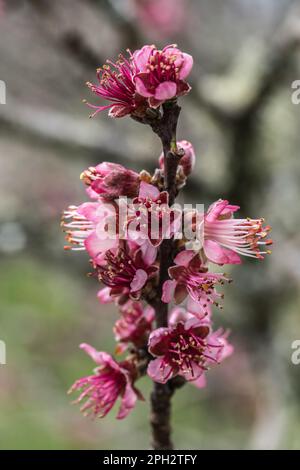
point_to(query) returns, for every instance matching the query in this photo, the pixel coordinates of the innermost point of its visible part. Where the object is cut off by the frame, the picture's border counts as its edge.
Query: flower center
(120, 270)
(161, 67)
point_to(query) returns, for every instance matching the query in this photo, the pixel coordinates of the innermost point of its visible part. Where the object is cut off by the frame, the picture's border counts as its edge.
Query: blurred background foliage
(245, 130)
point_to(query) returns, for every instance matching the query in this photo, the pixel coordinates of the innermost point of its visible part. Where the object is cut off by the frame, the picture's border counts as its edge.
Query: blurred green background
(246, 133)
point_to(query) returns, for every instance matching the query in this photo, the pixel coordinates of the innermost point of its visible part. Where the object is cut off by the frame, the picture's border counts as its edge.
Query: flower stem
(165, 128)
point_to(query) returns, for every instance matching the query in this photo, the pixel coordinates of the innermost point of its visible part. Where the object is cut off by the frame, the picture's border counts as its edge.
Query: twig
(165, 127)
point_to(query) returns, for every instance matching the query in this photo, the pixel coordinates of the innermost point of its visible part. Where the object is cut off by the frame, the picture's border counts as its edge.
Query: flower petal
(186, 66)
(192, 374)
(104, 296)
(180, 293)
(200, 382)
(141, 88)
(184, 257)
(165, 91)
(99, 357)
(156, 344)
(149, 253)
(214, 252)
(148, 191)
(128, 402)
(139, 280)
(95, 246)
(89, 210)
(200, 309)
(215, 210)
(141, 57)
(91, 193)
(159, 374)
(119, 110)
(178, 314)
(168, 291)
(232, 257)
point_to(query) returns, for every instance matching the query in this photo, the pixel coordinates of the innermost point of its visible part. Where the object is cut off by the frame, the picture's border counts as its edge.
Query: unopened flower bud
(187, 162)
(111, 180)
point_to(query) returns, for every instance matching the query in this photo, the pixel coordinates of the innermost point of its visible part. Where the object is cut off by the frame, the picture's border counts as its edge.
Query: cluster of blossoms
(125, 252)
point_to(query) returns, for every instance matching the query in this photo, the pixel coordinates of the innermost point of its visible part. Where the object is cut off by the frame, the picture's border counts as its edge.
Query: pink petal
(149, 253)
(214, 252)
(157, 374)
(168, 291)
(141, 57)
(215, 210)
(92, 352)
(232, 257)
(105, 209)
(118, 111)
(191, 375)
(91, 193)
(184, 257)
(148, 191)
(149, 314)
(99, 357)
(156, 342)
(178, 314)
(200, 382)
(154, 369)
(229, 210)
(186, 66)
(200, 309)
(95, 246)
(141, 88)
(128, 402)
(176, 271)
(100, 259)
(139, 280)
(227, 351)
(180, 293)
(202, 325)
(174, 51)
(104, 296)
(165, 91)
(89, 210)
(105, 167)
(220, 255)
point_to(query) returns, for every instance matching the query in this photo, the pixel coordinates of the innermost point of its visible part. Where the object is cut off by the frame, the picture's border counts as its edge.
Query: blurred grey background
(246, 133)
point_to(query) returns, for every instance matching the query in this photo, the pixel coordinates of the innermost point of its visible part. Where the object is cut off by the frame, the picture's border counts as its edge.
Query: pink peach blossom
(180, 314)
(226, 238)
(116, 84)
(187, 349)
(189, 277)
(161, 73)
(126, 274)
(111, 380)
(85, 228)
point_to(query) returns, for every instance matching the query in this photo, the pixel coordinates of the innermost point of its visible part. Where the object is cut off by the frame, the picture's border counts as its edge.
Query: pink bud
(111, 180)
(188, 161)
